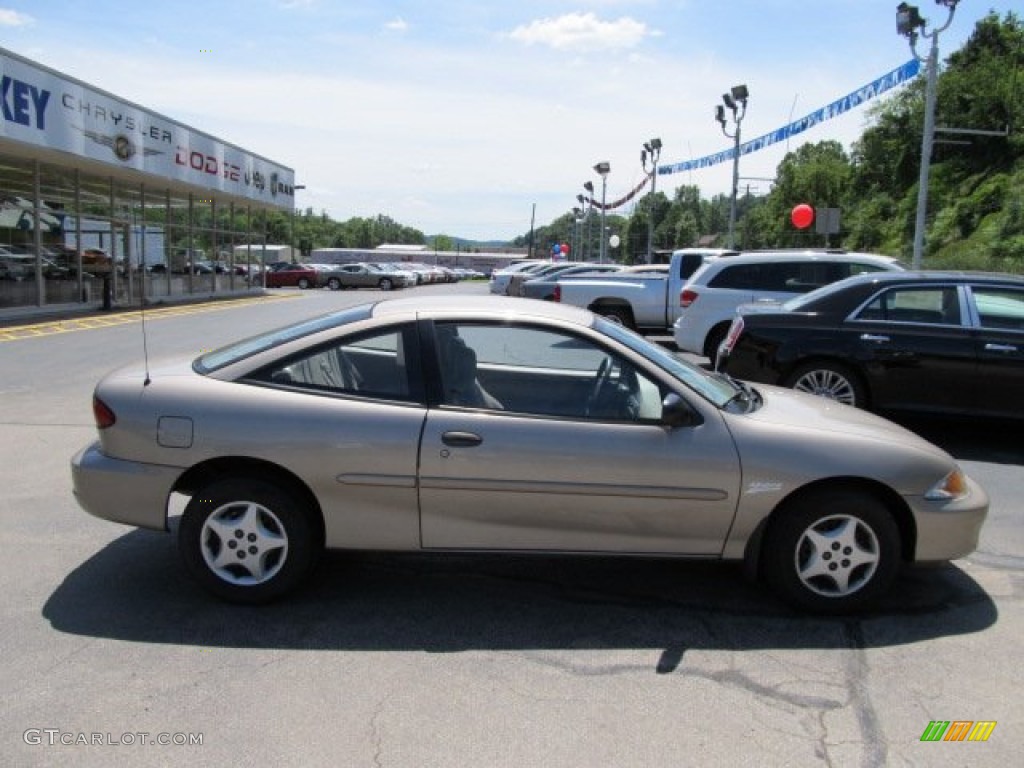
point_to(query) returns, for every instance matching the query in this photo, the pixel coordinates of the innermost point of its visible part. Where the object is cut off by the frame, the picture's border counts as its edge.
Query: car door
(999, 344)
(328, 404)
(530, 473)
(915, 348)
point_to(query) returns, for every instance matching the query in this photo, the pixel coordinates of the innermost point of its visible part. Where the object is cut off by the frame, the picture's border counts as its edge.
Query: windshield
(717, 389)
(240, 350)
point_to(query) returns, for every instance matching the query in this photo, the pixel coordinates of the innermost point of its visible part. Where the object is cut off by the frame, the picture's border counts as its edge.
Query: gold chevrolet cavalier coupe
(485, 424)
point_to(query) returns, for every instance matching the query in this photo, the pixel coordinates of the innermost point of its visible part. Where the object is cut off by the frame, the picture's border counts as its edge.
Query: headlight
(952, 486)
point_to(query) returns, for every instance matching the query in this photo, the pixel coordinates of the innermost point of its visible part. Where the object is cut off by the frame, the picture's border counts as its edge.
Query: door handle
(461, 439)
(874, 337)
(1000, 348)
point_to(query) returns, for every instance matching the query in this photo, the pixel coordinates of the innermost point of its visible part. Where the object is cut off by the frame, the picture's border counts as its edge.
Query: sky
(471, 118)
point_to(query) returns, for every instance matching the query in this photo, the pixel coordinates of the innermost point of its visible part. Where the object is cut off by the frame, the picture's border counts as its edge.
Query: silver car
(441, 424)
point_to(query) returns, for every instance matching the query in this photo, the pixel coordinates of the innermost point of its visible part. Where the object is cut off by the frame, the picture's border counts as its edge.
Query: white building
(81, 168)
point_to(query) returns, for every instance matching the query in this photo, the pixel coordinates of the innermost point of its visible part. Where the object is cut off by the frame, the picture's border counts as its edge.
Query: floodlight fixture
(908, 20)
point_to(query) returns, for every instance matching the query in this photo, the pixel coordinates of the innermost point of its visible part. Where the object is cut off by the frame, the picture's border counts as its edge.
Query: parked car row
(657, 302)
(381, 275)
(856, 328)
(18, 262)
(536, 279)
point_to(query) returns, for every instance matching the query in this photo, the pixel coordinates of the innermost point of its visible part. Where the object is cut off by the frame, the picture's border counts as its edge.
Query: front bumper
(122, 491)
(949, 530)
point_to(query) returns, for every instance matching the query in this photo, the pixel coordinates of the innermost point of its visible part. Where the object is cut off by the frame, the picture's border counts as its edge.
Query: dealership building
(104, 200)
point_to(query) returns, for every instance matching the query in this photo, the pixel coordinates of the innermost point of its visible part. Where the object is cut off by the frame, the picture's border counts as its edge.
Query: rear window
(219, 358)
(999, 307)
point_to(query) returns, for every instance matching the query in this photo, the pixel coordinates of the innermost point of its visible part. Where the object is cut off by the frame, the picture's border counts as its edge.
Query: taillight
(687, 297)
(102, 413)
(557, 295)
(734, 333)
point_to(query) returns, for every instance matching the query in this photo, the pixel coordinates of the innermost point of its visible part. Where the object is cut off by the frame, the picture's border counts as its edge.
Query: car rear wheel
(829, 380)
(385, 284)
(247, 540)
(621, 315)
(832, 552)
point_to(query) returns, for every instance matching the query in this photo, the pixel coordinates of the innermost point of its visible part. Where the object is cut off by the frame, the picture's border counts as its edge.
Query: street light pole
(603, 169)
(577, 219)
(908, 22)
(291, 233)
(736, 101)
(651, 149)
(588, 205)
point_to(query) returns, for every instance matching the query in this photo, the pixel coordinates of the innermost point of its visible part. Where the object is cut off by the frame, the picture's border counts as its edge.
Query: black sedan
(943, 342)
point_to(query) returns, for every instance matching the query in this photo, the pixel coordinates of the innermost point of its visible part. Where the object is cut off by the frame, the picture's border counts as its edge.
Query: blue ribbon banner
(887, 81)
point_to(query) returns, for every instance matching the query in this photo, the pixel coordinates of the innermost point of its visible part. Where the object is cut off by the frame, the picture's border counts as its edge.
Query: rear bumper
(122, 491)
(687, 336)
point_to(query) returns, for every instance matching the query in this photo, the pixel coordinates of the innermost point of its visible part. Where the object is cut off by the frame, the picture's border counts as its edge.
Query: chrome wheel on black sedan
(829, 380)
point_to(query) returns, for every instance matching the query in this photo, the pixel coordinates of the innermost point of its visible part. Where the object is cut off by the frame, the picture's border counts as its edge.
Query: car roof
(751, 257)
(494, 306)
(932, 276)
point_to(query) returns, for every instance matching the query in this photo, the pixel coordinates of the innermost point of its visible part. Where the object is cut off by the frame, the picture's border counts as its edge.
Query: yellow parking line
(68, 325)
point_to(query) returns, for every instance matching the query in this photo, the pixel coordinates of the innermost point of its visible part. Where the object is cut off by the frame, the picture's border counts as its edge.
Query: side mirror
(676, 412)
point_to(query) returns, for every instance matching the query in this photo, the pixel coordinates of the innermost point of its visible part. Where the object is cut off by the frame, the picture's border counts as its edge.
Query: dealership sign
(44, 108)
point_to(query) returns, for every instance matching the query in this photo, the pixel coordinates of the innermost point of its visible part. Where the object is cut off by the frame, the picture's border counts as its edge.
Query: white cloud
(397, 25)
(9, 18)
(582, 32)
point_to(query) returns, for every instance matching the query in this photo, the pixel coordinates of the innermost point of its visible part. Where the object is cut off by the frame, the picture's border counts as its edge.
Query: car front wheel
(829, 380)
(246, 540)
(385, 284)
(303, 283)
(334, 284)
(832, 552)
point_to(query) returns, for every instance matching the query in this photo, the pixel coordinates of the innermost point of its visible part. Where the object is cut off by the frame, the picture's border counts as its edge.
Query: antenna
(142, 313)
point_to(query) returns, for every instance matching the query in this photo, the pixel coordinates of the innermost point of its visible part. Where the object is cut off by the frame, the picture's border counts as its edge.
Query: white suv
(709, 298)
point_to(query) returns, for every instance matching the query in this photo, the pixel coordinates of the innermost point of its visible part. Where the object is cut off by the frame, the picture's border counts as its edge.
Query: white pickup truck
(641, 301)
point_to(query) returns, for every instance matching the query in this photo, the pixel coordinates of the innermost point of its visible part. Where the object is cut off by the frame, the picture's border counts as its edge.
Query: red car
(292, 275)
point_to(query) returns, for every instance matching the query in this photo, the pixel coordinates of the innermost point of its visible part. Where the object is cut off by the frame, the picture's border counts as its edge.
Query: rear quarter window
(736, 277)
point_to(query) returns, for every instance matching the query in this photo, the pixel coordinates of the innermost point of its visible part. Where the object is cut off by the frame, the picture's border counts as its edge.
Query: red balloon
(564, 248)
(802, 216)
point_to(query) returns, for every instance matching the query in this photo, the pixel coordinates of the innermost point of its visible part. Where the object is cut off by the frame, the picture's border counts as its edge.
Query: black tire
(713, 341)
(621, 315)
(832, 552)
(334, 284)
(280, 546)
(303, 283)
(385, 284)
(830, 380)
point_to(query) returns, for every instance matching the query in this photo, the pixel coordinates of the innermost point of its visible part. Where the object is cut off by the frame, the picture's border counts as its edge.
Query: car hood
(805, 413)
